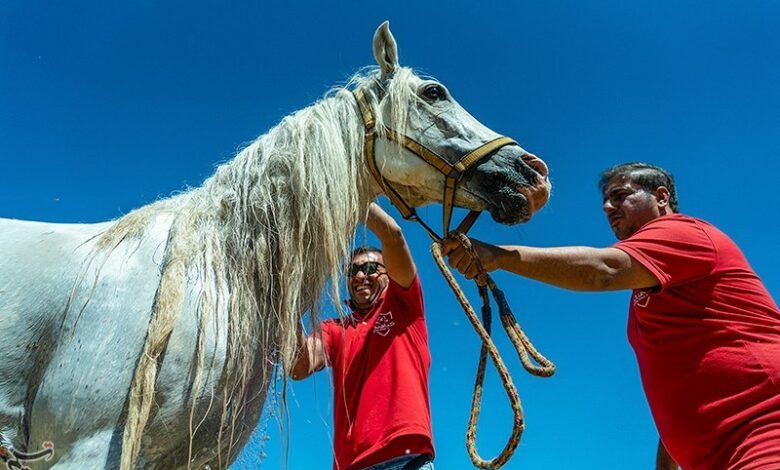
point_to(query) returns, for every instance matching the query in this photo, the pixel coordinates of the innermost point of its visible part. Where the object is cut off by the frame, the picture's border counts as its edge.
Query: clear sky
(107, 106)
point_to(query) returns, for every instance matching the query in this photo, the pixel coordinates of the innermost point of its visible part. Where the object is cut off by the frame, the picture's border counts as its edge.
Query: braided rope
(523, 345)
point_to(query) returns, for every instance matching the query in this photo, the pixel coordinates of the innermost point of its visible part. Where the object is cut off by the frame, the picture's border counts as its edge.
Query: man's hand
(310, 357)
(460, 259)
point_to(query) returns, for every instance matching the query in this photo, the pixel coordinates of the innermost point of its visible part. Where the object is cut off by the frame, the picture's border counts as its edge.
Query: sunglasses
(368, 268)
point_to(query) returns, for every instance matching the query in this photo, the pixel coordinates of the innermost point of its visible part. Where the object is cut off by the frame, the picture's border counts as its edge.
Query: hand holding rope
(524, 347)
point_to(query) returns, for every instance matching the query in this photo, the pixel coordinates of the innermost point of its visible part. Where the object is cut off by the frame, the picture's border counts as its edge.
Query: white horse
(150, 341)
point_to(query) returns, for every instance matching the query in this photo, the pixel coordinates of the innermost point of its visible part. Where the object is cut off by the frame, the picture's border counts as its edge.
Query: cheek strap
(453, 172)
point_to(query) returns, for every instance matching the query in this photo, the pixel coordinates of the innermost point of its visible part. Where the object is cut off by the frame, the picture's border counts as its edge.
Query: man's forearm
(384, 227)
(301, 366)
(395, 251)
(575, 268)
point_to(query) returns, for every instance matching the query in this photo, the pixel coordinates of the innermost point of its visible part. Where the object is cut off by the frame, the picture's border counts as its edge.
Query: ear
(385, 49)
(662, 195)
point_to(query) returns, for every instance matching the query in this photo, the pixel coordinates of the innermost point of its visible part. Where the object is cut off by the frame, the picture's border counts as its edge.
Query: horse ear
(385, 49)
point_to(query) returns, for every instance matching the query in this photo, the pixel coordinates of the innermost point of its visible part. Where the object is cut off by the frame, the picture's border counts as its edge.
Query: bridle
(453, 172)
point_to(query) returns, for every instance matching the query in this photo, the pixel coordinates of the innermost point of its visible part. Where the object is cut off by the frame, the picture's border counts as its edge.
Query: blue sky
(105, 107)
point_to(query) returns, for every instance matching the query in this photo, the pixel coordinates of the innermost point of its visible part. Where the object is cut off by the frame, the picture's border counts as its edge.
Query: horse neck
(263, 234)
(287, 206)
(311, 160)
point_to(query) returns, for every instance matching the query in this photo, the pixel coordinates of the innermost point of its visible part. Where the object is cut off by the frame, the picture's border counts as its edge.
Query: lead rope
(525, 350)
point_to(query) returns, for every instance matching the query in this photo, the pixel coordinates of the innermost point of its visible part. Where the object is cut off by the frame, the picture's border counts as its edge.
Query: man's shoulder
(675, 219)
(414, 288)
(394, 287)
(408, 300)
(674, 230)
(672, 222)
(676, 248)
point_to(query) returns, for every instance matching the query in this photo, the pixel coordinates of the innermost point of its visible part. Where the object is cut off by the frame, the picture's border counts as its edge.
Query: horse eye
(434, 93)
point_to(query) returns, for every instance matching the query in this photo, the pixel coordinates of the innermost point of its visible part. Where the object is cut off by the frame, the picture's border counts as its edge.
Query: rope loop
(525, 350)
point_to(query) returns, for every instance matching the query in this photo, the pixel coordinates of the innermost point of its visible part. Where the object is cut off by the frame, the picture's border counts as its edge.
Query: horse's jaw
(416, 197)
(507, 202)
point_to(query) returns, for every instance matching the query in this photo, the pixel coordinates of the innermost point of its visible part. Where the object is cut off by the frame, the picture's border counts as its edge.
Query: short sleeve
(676, 249)
(332, 339)
(410, 300)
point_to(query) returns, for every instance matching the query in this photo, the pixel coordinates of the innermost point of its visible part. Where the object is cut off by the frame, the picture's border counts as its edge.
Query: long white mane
(263, 234)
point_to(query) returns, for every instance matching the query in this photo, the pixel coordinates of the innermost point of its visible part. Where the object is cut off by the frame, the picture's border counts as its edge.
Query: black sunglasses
(368, 268)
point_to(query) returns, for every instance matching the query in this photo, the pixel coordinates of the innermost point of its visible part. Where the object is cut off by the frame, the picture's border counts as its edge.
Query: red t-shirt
(708, 347)
(380, 364)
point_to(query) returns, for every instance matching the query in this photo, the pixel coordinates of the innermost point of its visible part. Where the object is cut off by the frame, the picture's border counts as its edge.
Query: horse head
(412, 113)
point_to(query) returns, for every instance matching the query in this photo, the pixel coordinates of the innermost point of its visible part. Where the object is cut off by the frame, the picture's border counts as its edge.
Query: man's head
(634, 194)
(366, 277)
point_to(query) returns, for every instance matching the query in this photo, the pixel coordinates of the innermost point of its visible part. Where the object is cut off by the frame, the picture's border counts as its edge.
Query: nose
(537, 164)
(607, 206)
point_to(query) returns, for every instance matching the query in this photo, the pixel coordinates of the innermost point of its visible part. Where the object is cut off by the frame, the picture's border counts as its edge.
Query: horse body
(36, 261)
(81, 299)
(70, 354)
(150, 341)
(67, 372)
(59, 395)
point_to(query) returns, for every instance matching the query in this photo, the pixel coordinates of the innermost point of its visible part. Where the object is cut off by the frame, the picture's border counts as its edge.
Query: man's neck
(359, 310)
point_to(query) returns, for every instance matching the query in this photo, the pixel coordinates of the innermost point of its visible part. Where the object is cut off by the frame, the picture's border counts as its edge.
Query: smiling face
(364, 288)
(628, 206)
(510, 183)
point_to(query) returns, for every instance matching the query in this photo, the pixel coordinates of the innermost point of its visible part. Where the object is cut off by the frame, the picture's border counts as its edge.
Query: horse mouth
(512, 185)
(537, 195)
(517, 206)
(500, 214)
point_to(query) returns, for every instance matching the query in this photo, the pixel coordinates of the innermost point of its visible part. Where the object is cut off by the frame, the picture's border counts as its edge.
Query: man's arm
(310, 357)
(575, 268)
(664, 461)
(398, 260)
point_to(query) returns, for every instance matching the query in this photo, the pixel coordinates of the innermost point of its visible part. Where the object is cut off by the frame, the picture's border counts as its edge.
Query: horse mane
(264, 233)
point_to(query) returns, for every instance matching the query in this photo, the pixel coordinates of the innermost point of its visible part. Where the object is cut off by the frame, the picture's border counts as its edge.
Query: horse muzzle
(512, 183)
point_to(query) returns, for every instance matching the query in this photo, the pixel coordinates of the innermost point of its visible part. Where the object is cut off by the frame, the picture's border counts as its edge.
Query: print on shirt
(641, 298)
(383, 323)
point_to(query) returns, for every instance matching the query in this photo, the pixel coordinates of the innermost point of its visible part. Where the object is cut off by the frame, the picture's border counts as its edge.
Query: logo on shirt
(383, 323)
(641, 298)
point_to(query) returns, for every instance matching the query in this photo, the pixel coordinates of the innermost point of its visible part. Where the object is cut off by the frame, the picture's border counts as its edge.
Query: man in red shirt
(705, 330)
(380, 360)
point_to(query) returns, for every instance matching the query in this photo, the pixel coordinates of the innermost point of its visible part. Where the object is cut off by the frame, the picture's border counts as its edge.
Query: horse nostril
(537, 164)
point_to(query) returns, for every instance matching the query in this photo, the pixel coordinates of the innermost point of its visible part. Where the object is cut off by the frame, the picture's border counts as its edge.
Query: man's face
(628, 207)
(366, 288)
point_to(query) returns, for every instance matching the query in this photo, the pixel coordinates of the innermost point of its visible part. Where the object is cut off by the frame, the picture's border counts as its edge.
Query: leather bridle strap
(369, 122)
(453, 173)
(453, 178)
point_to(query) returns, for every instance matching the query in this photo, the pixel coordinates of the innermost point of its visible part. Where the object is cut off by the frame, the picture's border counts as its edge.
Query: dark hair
(648, 177)
(365, 249)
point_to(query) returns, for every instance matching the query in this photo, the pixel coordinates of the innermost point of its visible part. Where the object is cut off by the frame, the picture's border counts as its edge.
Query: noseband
(453, 172)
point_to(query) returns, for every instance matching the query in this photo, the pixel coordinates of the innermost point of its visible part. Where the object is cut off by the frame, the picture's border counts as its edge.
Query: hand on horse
(459, 257)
